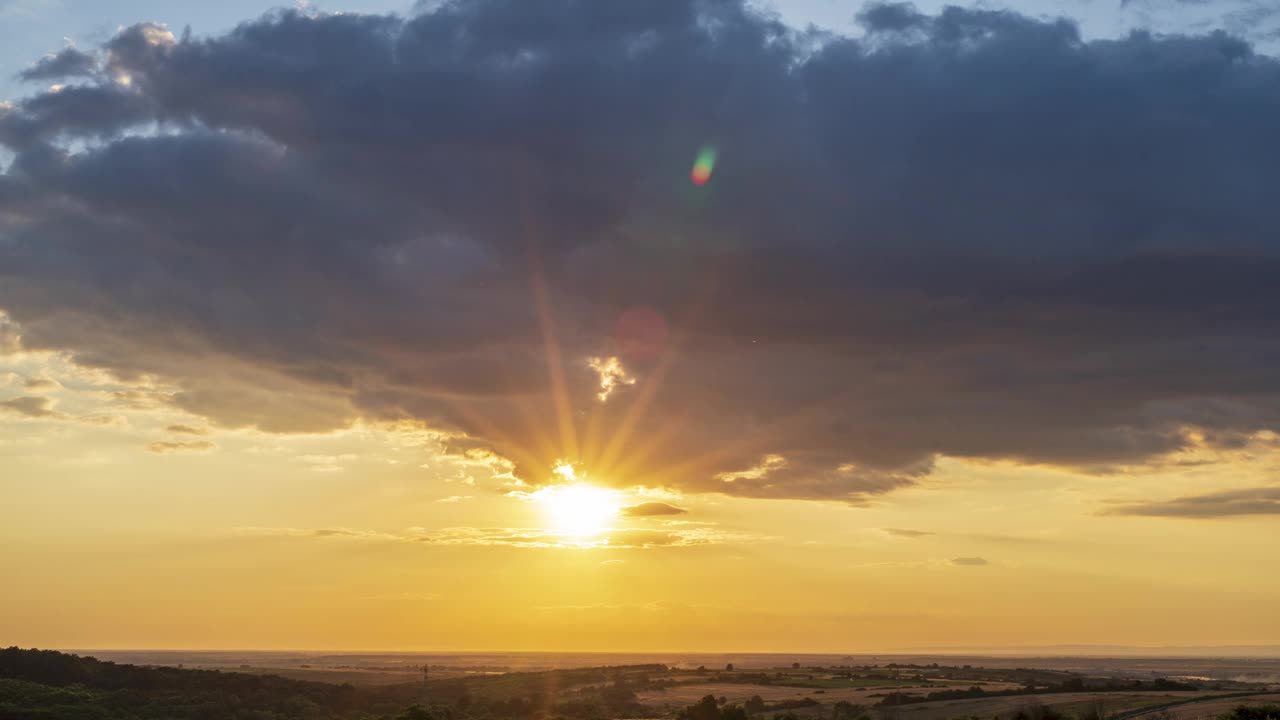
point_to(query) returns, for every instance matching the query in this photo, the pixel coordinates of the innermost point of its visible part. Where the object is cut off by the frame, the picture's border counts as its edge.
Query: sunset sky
(374, 325)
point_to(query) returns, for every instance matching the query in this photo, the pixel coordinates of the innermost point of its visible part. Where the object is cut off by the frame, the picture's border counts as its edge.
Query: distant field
(862, 682)
(336, 676)
(997, 707)
(989, 707)
(1213, 708)
(682, 695)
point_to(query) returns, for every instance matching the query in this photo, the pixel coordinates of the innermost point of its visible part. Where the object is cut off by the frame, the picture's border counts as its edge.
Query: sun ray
(547, 323)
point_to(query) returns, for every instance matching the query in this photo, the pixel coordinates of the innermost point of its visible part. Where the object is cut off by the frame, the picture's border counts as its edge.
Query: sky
(408, 327)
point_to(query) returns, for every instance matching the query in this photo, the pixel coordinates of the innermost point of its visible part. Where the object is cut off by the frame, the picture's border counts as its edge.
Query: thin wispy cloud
(652, 509)
(901, 532)
(186, 430)
(161, 447)
(622, 538)
(1223, 504)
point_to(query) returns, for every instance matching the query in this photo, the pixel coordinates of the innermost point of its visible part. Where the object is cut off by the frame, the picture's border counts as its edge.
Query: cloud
(1227, 503)
(35, 406)
(138, 399)
(29, 406)
(10, 338)
(908, 249)
(186, 430)
(162, 447)
(899, 532)
(652, 509)
(39, 383)
(624, 538)
(614, 539)
(339, 533)
(327, 463)
(454, 499)
(68, 62)
(969, 561)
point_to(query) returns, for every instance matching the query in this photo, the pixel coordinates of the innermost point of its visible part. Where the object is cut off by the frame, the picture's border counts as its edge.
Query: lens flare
(703, 166)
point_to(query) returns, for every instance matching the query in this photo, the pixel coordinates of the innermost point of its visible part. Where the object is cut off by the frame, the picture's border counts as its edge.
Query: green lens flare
(703, 166)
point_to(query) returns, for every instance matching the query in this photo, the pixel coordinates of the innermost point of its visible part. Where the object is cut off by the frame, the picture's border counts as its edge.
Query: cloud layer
(614, 539)
(1227, 503)
(970, 234)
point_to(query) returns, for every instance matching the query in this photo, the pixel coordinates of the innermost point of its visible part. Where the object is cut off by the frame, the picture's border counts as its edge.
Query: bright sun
(579, 509)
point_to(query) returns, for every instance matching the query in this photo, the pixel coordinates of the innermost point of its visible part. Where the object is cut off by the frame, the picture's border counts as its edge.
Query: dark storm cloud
(970, 234)
(1228, 503)
(69, 62)
(652, 509)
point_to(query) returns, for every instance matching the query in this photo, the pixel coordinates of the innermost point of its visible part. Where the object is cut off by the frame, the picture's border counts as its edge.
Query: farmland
(365, 687)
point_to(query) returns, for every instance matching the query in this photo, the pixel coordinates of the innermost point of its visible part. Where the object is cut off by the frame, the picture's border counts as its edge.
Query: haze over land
(494, 325)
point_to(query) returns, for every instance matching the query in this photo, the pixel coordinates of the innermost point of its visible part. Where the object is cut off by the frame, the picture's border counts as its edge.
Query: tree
(755, 704)
(704, 709)
(729, 667)
(415, 712)
(619, 695)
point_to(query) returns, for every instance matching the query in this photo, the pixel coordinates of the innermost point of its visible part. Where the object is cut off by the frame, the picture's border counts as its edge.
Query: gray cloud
(969, 561)
(652, 509)
(38, 383)
(909, 247)
(35, 406)
(29, 406)
(1227, 503)
(186, 430)
(68, 62)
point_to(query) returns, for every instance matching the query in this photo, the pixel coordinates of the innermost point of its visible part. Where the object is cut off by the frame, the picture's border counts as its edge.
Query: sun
(579, 509)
